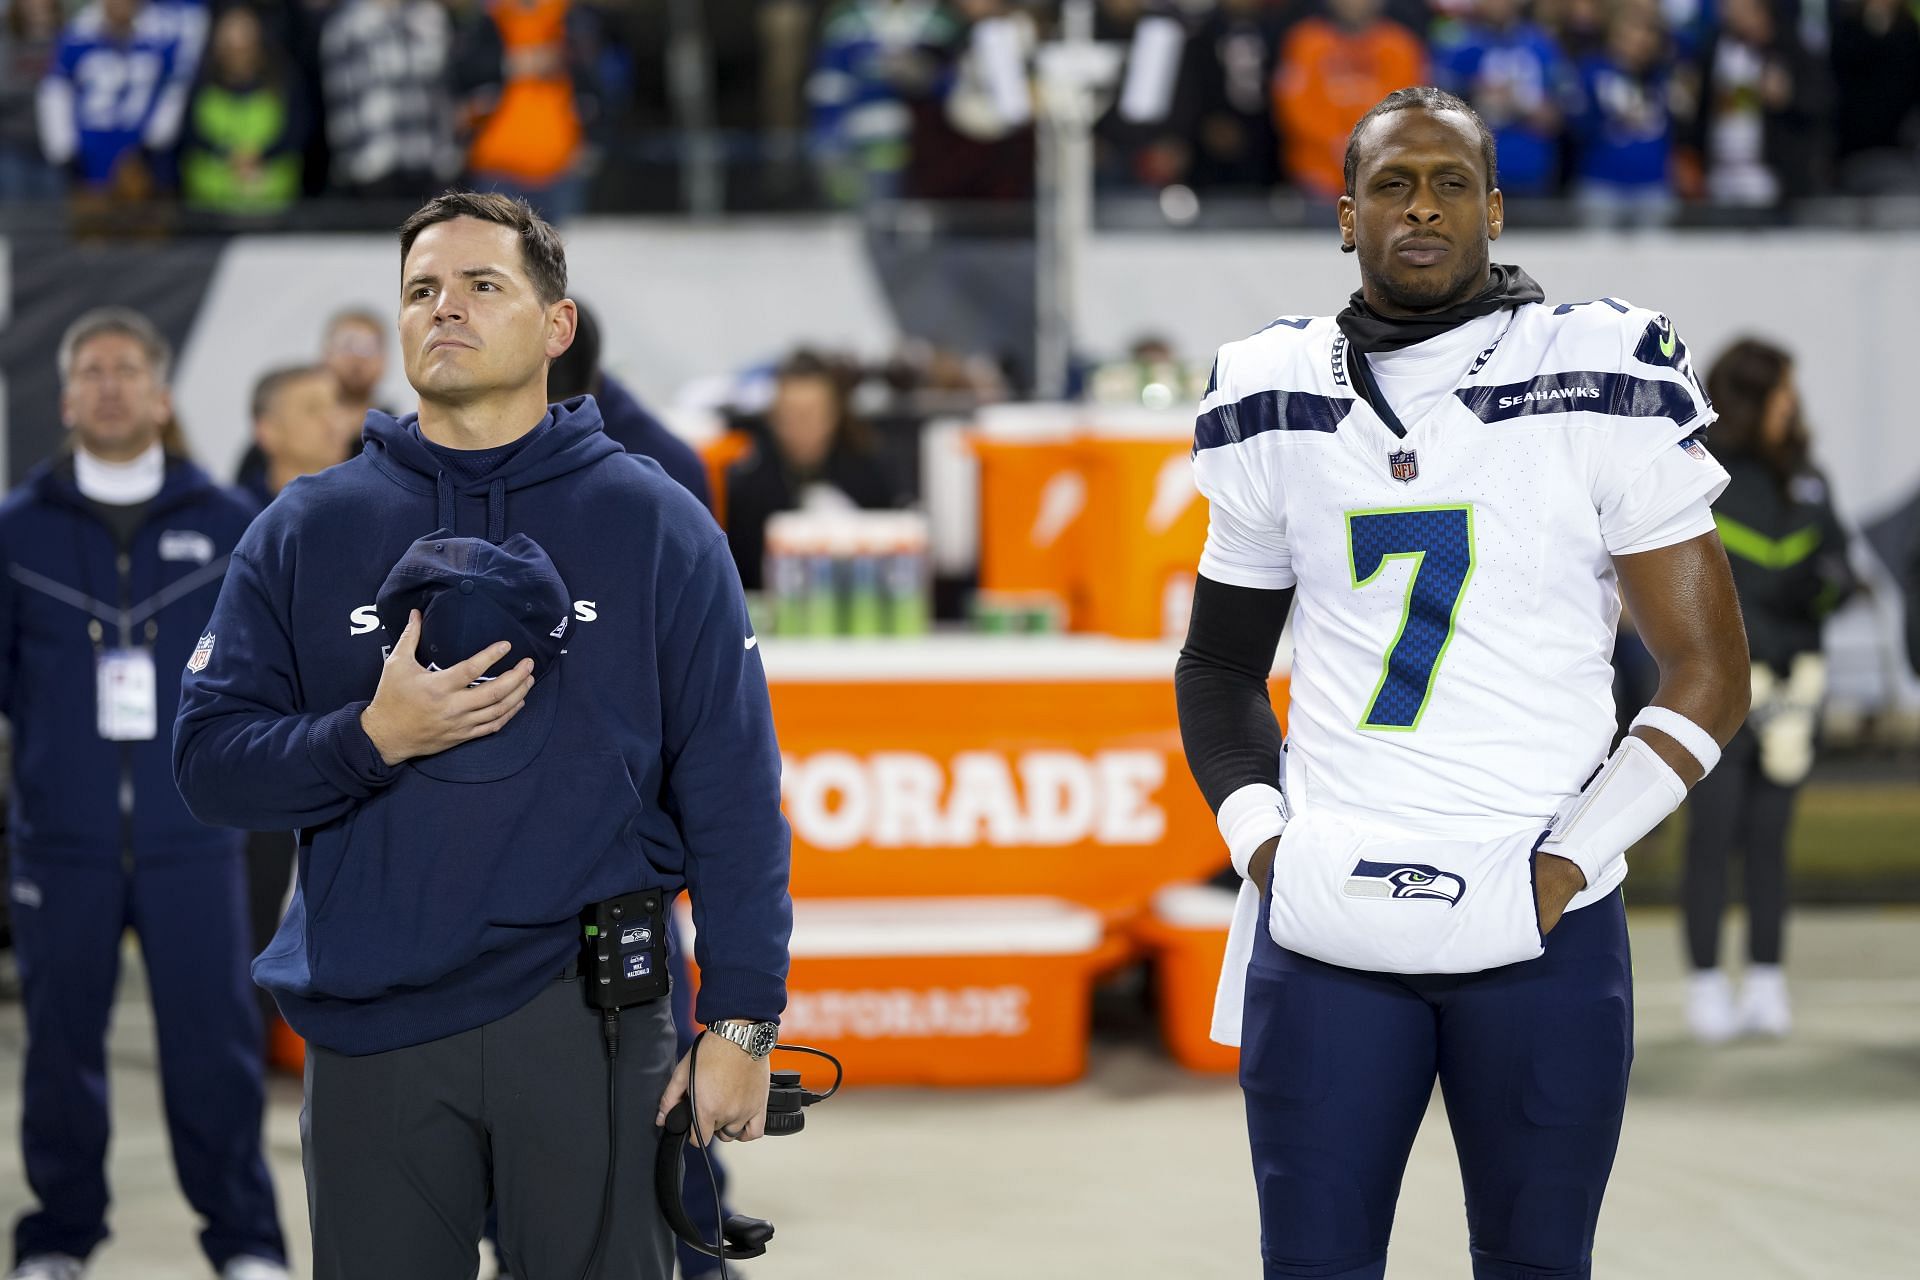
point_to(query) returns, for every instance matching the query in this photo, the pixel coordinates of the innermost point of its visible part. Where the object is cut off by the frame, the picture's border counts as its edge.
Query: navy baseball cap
(472, 594)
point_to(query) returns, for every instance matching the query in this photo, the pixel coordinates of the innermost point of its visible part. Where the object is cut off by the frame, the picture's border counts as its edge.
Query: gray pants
(402, 1148)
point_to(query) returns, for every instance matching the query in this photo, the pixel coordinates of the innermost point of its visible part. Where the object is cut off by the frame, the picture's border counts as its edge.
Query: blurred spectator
(1512, 73)
(111, 103)
(530, 145)
(298, 430)
(578, 372)
(354, 355)
(1623, 124)
(1222, 105)
(1876, 75)
(1789, 558)
(875, 57)
(104, 842)
(812, 457)
(1332, 70)
(1578, 27)
(29, 35)
(975, 141)
(383, 65)
(1752, 128)
(298, 426)
(1138, 142)
(355, 352)
(246, 125)
(476, 66)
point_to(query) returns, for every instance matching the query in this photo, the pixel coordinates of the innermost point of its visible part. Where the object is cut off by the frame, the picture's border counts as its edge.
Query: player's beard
(1417, 292)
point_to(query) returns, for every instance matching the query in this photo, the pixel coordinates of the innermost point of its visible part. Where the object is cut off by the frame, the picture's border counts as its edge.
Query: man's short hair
(122, 320)
(366, 317)
(273, 381)
(1420, 98)
(540, 248)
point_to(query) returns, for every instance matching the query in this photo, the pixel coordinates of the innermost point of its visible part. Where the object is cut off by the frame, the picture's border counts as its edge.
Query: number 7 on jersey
(1439, 541)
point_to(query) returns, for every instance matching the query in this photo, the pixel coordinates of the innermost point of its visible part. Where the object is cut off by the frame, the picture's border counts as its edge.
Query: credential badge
(1404, 465)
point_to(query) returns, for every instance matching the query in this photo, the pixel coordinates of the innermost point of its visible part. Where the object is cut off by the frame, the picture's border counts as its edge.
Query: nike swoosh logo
(1667, 343)
(752, 641)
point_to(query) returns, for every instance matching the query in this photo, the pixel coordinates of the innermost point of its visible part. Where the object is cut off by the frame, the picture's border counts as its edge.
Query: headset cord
(610, 1033)
(713, 1181)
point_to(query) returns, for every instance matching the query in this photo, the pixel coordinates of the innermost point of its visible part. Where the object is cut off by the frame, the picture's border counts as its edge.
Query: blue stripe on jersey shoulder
(1585, 391)
(1268, 411)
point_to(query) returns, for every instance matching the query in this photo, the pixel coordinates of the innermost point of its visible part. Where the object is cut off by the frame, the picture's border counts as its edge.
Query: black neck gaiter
(1369, 332)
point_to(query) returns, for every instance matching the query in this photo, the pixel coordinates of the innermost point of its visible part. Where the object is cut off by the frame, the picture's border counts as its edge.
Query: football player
(1451, 486)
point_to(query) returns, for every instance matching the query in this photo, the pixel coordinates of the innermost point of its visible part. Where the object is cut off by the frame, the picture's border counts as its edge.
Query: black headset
(740, 1237)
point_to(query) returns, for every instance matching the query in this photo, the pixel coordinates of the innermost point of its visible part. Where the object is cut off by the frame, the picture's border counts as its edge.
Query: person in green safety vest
(1790, 567)
(245, 126)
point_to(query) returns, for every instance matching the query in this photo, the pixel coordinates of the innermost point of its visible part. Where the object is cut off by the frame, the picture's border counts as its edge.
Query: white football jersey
(1456, 601)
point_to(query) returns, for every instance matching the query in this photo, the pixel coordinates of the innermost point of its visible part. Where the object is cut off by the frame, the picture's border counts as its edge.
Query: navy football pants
(1338, 1067)
(191, 918)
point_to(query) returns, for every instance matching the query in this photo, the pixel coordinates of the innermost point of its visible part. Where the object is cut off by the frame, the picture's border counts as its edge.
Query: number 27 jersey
(1456, 600)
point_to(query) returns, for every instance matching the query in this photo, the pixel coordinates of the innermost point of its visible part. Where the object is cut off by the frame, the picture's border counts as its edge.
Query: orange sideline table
(995, 766)
(926, 781)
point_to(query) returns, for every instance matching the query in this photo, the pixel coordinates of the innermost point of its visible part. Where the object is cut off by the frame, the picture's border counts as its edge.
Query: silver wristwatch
(757, 1038)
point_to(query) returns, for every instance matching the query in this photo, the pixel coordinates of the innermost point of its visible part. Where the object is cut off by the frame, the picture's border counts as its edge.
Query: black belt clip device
(624, 950)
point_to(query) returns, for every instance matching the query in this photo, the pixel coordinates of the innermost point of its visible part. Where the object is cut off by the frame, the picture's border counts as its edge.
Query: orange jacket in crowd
(533, 135)
(1328, 77)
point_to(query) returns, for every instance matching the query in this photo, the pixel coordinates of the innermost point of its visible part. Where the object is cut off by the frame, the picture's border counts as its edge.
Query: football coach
(495, 670)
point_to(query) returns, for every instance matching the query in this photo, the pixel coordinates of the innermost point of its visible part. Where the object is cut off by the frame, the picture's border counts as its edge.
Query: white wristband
(1250, 817)
(1698, 742)
(1629, 797)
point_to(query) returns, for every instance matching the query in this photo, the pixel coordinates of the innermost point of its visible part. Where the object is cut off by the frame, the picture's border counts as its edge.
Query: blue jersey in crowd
(1509, 77)
(1622, 125)
(106, 95)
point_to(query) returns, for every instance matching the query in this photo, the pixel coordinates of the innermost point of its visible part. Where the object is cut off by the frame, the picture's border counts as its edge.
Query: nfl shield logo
(202, 654)
(1404, 464)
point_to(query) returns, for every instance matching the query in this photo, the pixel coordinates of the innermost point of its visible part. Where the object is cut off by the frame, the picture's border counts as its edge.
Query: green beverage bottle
(785, 576)
(862, 537)
(904, 572)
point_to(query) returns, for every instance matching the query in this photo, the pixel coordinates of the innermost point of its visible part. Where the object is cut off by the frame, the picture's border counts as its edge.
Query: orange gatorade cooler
(1145, 525)
(1095, 504)
(944, 991)
(1033, 494)
(1187, 932)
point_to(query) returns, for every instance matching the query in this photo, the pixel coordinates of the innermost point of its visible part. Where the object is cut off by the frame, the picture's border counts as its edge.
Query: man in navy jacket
(114, 552)
(434, 920)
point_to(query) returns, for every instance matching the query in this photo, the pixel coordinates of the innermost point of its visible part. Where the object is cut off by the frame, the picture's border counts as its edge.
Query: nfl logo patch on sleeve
(1404, 464)
(202, 654)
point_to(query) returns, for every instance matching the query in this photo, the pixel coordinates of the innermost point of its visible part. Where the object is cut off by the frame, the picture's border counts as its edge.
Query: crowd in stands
(1628, 107)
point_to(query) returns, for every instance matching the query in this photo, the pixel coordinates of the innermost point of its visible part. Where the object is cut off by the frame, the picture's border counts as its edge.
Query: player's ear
(1346, 224)
(1496, 213)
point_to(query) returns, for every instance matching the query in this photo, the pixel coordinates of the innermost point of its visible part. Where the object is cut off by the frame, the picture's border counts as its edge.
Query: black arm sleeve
(1220, 683)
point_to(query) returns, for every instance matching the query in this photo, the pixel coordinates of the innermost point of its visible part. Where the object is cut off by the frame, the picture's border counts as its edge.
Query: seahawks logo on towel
(1404, 880)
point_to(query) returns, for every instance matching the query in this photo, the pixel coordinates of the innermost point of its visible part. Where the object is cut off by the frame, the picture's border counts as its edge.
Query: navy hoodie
(424, 908)
(63, 572)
